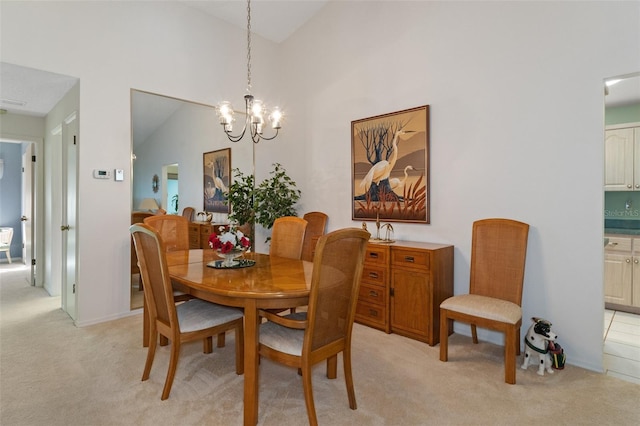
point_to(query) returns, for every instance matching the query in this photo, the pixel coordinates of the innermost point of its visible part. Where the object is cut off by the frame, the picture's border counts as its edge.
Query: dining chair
(304, 339)
(6, 235)
(498, 253)
(192, 320)
(189, 213)
(316, 227)
(174, 230)
(287, 237)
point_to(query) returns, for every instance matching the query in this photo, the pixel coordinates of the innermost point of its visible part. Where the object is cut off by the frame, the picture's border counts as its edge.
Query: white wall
(112, 47)
(516, 95)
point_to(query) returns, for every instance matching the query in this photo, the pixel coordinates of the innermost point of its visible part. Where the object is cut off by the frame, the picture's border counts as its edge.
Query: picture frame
(216, 180)
(390, 167)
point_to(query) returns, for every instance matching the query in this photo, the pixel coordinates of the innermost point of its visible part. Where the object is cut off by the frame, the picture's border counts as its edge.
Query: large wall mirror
(169, 137)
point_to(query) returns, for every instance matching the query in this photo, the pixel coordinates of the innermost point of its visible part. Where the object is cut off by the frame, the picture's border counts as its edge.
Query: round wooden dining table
(271, 283)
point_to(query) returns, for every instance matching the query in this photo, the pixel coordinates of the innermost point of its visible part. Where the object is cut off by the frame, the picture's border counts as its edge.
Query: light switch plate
(119, 175)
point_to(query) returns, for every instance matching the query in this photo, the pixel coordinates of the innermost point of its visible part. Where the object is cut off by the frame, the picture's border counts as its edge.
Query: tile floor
(622, 345)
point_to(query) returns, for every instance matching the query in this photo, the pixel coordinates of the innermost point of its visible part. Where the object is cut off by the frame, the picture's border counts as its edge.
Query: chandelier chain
(249, 46)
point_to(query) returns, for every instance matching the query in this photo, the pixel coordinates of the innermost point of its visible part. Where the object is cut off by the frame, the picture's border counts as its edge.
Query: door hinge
(391, 292)
(33, 158)
(74, 289)
(33, 262)
(74, 139)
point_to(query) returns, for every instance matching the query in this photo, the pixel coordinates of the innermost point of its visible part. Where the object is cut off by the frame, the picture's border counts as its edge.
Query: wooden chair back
(316, 227)
(136, 217)
(151, 252)
(498, 253)
(189, 213)
(287, 237)
(335, 284)
(173, 229)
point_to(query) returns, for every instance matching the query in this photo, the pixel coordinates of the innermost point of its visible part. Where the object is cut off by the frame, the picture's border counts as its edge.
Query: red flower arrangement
(229, 241)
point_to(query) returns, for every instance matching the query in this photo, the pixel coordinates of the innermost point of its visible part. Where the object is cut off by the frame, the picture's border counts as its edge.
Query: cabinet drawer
(194, 241)
(618, 244)
(374, 274)
(410, 258)
(377, 255)
(371, 314)
(372, 294)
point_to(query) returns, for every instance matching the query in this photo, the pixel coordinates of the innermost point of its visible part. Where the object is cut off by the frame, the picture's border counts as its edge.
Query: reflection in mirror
(170, 176)
(167, 132)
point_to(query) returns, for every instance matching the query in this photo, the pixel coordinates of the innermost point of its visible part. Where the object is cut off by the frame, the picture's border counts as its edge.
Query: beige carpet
(53, 373)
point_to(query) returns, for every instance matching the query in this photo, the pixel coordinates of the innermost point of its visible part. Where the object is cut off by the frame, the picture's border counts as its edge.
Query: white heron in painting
(398, 183)
(382, 169)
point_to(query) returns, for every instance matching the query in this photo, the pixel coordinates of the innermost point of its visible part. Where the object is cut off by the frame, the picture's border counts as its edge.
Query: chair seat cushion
(283, 339)
(484, 307)
(197, 314)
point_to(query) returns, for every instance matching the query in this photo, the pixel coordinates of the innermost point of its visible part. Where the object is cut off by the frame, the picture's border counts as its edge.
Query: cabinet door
(411, 303)
(619, 160)
(618, 273)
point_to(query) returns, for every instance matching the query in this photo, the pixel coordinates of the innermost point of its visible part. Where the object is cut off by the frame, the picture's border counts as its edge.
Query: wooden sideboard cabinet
(402, 286)
(199, 233)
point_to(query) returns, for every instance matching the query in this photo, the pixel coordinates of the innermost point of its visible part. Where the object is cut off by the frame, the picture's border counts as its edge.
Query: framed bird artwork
(390, 166)
(217, 178)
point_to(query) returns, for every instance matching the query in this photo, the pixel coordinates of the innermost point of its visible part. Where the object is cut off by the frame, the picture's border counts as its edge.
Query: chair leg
(518, 342)
(474, 334)
(240, 349)
(348, 378)
(332, 367)
(510, 356)
(308, 395)
(151, 352)
(221, 340)
(173, 365)
(207, 345)
(444, 335)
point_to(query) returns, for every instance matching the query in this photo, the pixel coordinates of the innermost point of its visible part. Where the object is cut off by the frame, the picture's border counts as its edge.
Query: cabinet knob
(635, 261)
(628, 260)
(373, 275)
(629, 186)
(375, 293)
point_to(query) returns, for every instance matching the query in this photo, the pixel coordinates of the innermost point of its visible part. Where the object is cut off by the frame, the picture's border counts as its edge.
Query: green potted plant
(275, 197)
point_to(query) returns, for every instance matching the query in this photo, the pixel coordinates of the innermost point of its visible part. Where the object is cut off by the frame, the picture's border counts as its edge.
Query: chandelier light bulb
(276, 118)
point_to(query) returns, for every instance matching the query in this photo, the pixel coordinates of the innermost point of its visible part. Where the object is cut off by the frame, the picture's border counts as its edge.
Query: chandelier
(255, 109)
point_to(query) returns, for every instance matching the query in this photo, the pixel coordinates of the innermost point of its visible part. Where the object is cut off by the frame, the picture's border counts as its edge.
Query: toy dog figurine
(537, 343)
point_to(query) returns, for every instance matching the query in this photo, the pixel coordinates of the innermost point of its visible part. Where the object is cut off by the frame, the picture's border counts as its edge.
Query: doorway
(622, 227)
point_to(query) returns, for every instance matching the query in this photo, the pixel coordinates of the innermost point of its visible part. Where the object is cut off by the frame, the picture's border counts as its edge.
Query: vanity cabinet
(622, 158)
(622, 271)
(402, 286)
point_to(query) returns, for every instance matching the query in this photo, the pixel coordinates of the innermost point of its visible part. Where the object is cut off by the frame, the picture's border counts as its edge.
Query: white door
(69, 202)
(27, 211)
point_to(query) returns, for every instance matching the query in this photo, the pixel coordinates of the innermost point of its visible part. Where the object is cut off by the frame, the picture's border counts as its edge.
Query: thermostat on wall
(101, 174)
